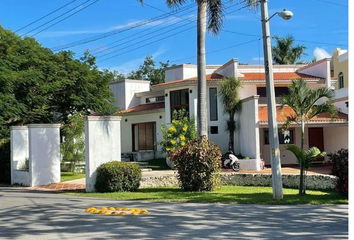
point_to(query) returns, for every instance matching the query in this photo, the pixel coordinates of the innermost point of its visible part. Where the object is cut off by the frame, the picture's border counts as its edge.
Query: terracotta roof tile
(287, 111)
(279, 76)
(145, 107)
(209, 77)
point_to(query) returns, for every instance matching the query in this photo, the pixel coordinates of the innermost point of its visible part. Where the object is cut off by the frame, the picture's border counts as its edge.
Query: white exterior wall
(321, 69)
(21, 177)
(229, 69)
(128, 121)
(44, 153)
(335, 138)
(185, 71)
(124, 92)
(132, 87)
(102, 143)
(248, 90)
(222, 138)
(249, 129)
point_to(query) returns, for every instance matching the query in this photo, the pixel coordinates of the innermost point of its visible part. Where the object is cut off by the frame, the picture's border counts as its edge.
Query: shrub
(198, 165)
(5, 161)
(339, 161)
(118, 177)
(179, 133)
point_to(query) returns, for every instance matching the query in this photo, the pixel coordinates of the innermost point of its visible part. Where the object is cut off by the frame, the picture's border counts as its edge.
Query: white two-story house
(144, 108)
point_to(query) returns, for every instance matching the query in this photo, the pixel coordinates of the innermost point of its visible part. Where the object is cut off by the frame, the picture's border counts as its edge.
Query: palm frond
(216, 15)
(174, 3)
(296, 151)
(229, 94)
(326, 107)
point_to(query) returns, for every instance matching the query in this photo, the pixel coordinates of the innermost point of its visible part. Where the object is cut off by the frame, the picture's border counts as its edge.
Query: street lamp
(272, 114)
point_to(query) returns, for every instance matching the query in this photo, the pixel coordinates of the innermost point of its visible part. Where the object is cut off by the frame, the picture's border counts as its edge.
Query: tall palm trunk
(301, 188)
(202, 105)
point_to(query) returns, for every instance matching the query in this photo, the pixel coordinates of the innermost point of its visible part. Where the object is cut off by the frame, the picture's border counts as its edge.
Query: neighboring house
(340, 71)
(145, 108)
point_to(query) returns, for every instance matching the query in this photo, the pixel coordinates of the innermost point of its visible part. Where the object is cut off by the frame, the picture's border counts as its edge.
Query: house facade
(340, 71)
(146, 107)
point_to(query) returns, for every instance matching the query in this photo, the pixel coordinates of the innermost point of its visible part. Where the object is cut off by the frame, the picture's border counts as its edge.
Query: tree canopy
(37, 85)
(285, 52)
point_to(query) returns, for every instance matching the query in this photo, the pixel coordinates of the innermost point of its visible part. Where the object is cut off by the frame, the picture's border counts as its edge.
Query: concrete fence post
(102, 144)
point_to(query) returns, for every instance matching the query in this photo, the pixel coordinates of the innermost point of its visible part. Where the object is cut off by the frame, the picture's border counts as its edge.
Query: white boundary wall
(19, 153)
(249, 130)
(44, 153)
(103, 144)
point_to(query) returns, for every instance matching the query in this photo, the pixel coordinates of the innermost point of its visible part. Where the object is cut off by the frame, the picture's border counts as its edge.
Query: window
(213, 104)
(279, 91)
(341, 80)
(287, 137)
(214, 130)
(155, 99)
(179, 100)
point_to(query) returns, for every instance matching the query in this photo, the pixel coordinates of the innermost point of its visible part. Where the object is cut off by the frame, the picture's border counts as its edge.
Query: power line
(219, 50)
(146, 44)
(338, 4)
(111, 33)
(65, 17)
(139, 33)
(190, 21)
(54, 18)
(334, 44)
(45, 16)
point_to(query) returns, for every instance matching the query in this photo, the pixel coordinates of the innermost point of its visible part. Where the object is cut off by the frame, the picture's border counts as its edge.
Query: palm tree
(211, 13)
(284, 51)
(303, 100)
(229, 93)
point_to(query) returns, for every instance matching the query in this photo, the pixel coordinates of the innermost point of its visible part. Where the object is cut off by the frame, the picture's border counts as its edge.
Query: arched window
(341, 80)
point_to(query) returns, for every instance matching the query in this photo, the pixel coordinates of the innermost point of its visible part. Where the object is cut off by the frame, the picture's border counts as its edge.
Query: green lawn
(158, 164)
(67, 176)
(227, 194)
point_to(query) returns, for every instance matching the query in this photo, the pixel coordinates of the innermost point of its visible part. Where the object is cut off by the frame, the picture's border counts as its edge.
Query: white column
(102, 144)
(44, 153)
(19, 153)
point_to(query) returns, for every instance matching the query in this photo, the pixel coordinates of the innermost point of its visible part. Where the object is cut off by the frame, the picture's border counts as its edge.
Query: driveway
(29, 215)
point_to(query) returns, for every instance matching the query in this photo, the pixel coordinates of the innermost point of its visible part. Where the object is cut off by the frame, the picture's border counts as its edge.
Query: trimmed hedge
(198, 165)
(339, 161)
(5, 164)
(118, 177)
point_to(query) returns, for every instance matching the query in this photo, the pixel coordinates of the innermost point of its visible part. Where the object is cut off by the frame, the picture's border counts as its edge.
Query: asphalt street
(38, 215)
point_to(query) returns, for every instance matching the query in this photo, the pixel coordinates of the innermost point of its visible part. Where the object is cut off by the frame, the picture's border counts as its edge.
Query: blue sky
(314, 21)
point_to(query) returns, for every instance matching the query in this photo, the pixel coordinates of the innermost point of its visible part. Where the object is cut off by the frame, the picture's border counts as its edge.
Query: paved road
(42, 215)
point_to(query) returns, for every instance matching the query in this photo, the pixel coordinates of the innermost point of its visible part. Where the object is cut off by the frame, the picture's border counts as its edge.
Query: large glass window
(341, 80)
(179, 100)
(286, 137)
(213, 104)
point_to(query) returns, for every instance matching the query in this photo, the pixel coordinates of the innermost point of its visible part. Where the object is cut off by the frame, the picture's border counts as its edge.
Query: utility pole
(272, 114)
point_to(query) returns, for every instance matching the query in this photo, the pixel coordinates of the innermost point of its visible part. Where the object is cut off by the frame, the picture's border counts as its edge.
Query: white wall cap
(250, 98)
(18, 128)
(57, 125)
(102, 118)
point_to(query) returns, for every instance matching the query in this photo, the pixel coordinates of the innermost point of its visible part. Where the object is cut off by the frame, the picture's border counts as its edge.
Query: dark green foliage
(285, 52)
(37, 85)
(5, 164)
(118, 177)
(339, 161)
(149, 71)
(73, 146)
(198, 165)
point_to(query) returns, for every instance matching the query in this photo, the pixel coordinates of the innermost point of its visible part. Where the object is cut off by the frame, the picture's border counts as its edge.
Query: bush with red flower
(339, 162)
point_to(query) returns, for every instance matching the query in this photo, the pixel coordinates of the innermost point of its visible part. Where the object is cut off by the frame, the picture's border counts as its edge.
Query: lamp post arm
(267, 20)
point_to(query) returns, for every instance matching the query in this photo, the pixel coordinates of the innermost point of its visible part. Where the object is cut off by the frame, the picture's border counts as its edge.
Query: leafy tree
(284, 51)
(40, 86)
(73, 146)
(229, 93)
(148, 71)
(303, 100)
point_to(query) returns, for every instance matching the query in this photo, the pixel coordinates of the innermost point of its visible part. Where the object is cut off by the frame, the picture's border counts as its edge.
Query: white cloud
(320, 53)
(258, 59)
